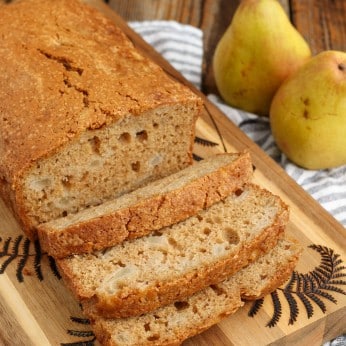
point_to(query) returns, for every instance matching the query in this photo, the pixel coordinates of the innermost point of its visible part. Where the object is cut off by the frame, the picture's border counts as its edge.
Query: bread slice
(140, 275)
(172, 324)
(159, 204)
(85, 116)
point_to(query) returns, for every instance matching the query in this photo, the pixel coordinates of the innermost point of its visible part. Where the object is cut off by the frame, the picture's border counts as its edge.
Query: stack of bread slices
(169, 260)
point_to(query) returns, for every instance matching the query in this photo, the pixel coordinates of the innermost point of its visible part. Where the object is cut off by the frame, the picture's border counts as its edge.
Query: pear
(308, 113)
(257, 52)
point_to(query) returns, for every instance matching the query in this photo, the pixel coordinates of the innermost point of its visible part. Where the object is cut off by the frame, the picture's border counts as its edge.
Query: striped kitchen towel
(182, 46)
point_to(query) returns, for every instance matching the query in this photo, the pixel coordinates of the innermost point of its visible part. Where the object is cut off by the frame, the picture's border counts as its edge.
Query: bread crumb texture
(174, 262)
(172, 324)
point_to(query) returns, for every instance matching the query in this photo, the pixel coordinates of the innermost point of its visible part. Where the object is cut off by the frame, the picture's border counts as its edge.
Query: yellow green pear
(308, 113)
(257, 52)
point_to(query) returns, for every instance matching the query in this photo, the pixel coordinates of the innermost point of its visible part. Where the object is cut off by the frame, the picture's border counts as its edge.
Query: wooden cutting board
(36, 308)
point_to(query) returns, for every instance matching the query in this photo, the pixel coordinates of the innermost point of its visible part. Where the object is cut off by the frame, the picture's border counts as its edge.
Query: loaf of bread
(143, 274)
(85, 117)
(172, 324)
(158, 204)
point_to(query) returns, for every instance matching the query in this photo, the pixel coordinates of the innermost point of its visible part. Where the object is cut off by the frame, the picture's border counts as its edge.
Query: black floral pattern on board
(205, 143)
(311, 289)
(24, 254)
(197, 157)
(81, 333)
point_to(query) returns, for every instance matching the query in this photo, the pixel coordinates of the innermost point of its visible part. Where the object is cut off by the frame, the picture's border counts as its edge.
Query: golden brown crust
(147, 215)
(153, 297)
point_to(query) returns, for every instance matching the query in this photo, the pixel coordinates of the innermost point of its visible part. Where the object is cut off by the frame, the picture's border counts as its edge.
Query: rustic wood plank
(321, 22)
(183, 11)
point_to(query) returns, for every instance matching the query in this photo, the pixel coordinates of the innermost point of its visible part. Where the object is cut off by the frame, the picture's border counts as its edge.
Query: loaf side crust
(147, 215)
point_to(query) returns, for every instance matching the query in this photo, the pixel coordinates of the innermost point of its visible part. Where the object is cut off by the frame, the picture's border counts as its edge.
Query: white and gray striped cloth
(182, 46)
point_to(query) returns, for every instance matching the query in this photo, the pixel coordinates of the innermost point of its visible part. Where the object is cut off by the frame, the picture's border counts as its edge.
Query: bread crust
(150, 214)
(166, 292)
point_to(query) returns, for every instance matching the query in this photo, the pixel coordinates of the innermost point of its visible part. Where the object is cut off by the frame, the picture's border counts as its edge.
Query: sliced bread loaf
(84, 116)
(160, 203)
(143, 274)
(172, 324)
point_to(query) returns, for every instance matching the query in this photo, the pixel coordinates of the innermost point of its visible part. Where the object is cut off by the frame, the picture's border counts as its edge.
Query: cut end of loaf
(104, 163)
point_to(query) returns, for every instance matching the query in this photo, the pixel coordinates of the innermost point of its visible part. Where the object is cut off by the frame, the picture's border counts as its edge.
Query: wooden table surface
(321, 22)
